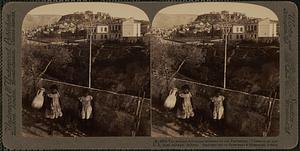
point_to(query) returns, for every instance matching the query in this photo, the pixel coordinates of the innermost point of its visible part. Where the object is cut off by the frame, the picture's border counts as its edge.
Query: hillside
(32, 21)
(170, 20)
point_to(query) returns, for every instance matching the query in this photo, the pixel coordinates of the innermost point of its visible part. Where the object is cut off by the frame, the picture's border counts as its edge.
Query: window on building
(105, 36)
(237, 36)
(254, 35)
(242, 37)
(241, 29)
(105, 29)
(254, 28)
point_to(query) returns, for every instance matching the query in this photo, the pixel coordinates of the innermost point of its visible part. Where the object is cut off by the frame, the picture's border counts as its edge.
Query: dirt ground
(166, 124)
(36, 125)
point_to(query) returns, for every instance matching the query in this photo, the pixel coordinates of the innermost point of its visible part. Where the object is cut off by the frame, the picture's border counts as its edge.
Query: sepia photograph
(85, 71)
(215, 71)
(149, 75)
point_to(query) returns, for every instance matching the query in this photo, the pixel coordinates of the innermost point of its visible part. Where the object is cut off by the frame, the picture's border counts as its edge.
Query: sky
(251, 10)
(114, 9)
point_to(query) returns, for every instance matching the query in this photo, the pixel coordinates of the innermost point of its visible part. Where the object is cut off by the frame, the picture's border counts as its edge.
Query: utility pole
(90, 57)
(226, 31)
(90, 60)
(137, 31)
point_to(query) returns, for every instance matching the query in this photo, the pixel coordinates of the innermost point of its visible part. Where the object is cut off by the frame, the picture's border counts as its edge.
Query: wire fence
(212, 86)
(99, 90)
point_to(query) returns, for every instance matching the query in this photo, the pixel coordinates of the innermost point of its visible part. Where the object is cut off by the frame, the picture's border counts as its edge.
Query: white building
(101, 29)
(237, 32)
(238, 29)
(101, 32)
(267, 28)
(131, 28)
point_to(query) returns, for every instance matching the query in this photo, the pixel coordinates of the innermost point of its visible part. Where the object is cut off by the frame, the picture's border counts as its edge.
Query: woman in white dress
(187, 108)
(53, 108)
(218, 110)
(86, 110)
(86, 102)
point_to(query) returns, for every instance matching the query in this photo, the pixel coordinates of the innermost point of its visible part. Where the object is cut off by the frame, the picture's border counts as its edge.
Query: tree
(37, 60)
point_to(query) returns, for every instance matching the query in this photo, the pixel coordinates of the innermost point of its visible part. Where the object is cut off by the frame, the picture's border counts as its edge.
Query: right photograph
(215, 71)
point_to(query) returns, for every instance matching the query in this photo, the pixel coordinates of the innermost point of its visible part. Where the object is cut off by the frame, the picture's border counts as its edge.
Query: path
(36, 125)
(166, 41)
(166, 124)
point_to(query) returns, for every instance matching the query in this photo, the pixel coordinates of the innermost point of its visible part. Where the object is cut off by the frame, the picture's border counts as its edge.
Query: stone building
(251, 29)
(263, 30)
(102, 32)
(115, 29)
(237, 32)
(106, 30)
(267, 30)
(131, 30)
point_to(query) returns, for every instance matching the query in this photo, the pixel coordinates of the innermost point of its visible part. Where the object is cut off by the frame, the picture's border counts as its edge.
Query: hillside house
(259, 30)
(237, 32)
(131, 30)
(251, 29)
(267, 30)
(115, 29)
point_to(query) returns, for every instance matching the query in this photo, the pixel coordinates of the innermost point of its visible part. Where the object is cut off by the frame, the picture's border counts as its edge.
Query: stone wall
(113, 114)
(245, 114)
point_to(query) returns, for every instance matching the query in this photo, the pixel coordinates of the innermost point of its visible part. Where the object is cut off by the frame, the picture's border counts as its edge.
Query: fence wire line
(193, 82)
(106, 91)
(225, 89)
(212, 86)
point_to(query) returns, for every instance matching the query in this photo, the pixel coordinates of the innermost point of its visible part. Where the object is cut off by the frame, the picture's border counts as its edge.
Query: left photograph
(85, 71)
